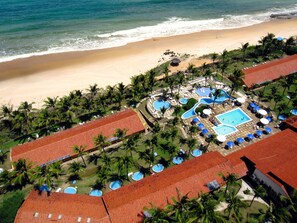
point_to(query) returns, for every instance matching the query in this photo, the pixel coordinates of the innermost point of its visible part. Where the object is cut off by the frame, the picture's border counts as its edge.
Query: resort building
(272, 161)
(270, 71)
(58, 146)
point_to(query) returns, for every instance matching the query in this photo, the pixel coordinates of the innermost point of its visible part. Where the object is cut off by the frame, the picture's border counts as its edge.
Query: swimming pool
(158, 104)
(70, 190)
(115, 184)
(229, 120)
(224, 129)
(158, 168)
(196, 152)
(191, 112)
(234, 117)
(203, 91)
(183, 101)
(96, 193)
(137, 176)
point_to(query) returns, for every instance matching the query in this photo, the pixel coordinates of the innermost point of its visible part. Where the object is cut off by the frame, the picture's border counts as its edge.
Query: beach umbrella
(221, 138)
(293, 111)
(239, 140)
(252, 104)
(240, 100)
(204, 131)
(262, 112)
(256, 108)
(195, 120)
(250, 136)
(230, 144)
(259, 133)
(207, 111)
(264, 121)
(268, 130)
(200, 126)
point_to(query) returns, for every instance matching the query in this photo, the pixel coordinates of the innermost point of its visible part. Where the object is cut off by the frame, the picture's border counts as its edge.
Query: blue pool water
(158, 168)
(203, 91)
(115, 184)
(234, 117)
(158, 104)
(196, 152)
(177, 160)
(70, 190)
(191, 112)
(224, 129)
(96, 193)
(183, 101)
(137, 176)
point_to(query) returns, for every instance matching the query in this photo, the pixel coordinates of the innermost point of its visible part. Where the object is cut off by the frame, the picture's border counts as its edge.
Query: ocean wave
(172, 26)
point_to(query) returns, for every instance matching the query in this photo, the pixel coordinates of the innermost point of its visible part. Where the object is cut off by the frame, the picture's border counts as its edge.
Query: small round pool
(114, 185)
(70, 190)
(196, 152)
(158, 104)
(158, 168)
(183, 101)
(96, 193)
(177, 160)
(137, 176)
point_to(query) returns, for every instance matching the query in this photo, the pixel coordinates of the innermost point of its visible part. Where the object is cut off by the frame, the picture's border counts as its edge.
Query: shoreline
(37, 77)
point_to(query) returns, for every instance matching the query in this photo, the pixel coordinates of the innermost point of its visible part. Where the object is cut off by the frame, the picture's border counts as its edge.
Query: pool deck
(243, 129)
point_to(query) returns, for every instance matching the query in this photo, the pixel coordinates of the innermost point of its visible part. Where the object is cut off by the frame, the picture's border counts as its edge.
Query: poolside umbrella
(256, 108)
(195, 120)
(269, 118)
(240, 100)
(259, 133)
(239, 140)
(250, 136)
(221, 138)
(262, 112)
(268, 130)
(252, 104)
(230, 144)
(264, 121)
(200, 126)
(293, 111)
(207, 111)
(204, 131)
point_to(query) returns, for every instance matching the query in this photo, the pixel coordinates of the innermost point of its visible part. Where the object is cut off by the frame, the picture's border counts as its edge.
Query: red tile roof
(291, 122)
(276, 154)
(126, 204)
(69, 207)
(60, 144)
(270, 71)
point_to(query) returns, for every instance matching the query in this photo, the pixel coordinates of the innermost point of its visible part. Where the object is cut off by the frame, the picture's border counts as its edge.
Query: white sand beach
(38, 77)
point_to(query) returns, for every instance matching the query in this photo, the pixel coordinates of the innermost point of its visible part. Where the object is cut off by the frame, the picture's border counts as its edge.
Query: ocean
(37, 27)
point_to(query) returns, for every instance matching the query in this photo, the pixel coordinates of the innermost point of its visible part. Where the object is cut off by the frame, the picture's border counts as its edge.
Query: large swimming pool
(191, 112)
(229, 120)
(158, 104)
(234, 117)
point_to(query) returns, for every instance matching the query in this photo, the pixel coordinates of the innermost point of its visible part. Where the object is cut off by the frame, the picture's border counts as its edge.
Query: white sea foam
(170, 27)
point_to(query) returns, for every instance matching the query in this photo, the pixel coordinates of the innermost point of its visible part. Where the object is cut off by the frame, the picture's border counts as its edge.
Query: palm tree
(103, 174)
(177, 110)
(173, 133)
(180, 80)
(203, 210)
(163, 110)
(224, 55)
(3, 156)
(51, 102)
(285, 84)
(206, 74)
(45, 174)
(155, 214)
(6, 110)
(22, 173)
(100, 141)
(93, 90)
(124, 162)
(223, 67)
(275, 214)
(191, 143)
(214, 56)
(276, 98)
(80, 151)
(148, 156)
(244, 48)
(292, 95)
(235, 204)
(229, 179)
(121, 88)
(281, 108)
(218, 93)
(259, 192)
(210, 139)
(120, 133)
(75, 168)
